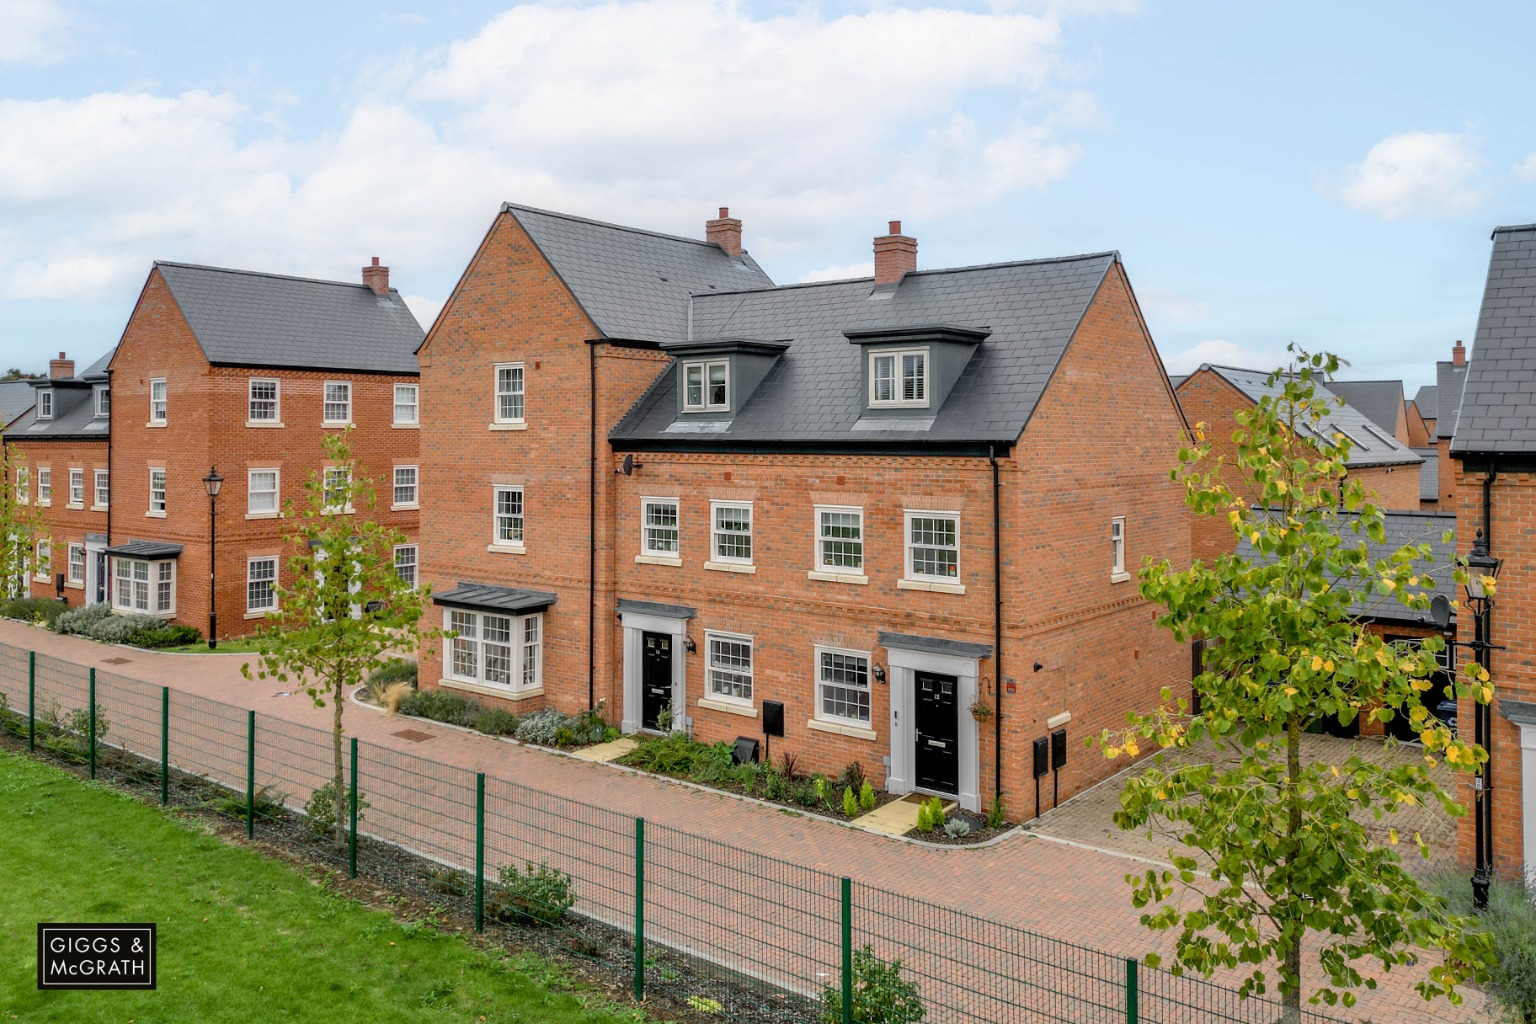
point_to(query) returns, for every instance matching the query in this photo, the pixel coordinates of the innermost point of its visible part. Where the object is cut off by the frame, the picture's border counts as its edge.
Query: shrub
(957, 828)
(266, 802)
(46, 610)
(851, 777)
(1511, 919)
(774, 785)
(541, 727)
(935, 814)
(867, 796)
(673, 754)
(880, 994)
(396, 670)
(442, 706)
(164, 635)
(997, 814)
(717, 766)
(533, 895)
(80, 620)
(804, 793)
(789, 765)
(747, 776)
(393, 696)
(850, 804)
(491, 721)
(320, 811)
(119, 629)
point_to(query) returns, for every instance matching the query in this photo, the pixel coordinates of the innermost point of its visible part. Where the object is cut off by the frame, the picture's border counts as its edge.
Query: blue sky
(1323, 173)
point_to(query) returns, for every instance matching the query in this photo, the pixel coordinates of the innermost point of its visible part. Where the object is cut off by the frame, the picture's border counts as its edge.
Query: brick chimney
(724, 231)
(1459, 355)
(377, 278)
(895, 255)
(60, 368)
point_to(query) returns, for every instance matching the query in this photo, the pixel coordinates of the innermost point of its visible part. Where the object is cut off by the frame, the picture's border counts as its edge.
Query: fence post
(165, 746)
(480, 852)
(250, 775)
(92, 717)
(639, 909)
(847, 951)
(1132, 992)
(352, 835)
(31, 701)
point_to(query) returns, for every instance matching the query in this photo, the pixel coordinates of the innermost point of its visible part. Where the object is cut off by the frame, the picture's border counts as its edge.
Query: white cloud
(1526, 170)
(842, 272)
(1415, 174)
(30, 31)
(1162, 304)
(1224, 353)
(424, 309)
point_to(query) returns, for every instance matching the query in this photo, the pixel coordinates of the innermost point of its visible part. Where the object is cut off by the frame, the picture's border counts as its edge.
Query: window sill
(731, 567)
(405, 426)
(152, 514)
(658, 560)
(266, 424)
(100, 508)
(335, 424)
(858, 732)
(898, 405)
(42, 579)
(492, 691)
(156, 426)
(74, 584)
(263, 515)
(1119, 577)
(838, 577)
(45, 504)
(410, 506)
(729, 707)
(508, 426)
(507, 549)
(261, 614)
(931, 587)
(75, 508)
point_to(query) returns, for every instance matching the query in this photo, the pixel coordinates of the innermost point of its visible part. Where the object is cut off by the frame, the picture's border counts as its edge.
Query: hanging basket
(981, 711)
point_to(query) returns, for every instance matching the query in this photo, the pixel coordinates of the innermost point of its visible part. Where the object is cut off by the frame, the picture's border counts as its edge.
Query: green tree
(20, 522)
(345, 606)
(1286, 854)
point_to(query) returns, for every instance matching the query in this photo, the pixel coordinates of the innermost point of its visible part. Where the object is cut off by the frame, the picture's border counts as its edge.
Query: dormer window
(706, 386)
(45, 405)
(103, 398)
(898, 378)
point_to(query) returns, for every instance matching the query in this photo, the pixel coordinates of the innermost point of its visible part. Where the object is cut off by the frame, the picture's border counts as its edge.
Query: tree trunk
(337, 781)
(1290, 915)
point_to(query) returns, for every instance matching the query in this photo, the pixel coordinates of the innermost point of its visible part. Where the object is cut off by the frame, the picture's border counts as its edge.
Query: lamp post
(213, 482)
(1480, 564)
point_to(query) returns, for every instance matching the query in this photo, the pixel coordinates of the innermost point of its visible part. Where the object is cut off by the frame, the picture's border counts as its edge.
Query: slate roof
(1373, 445)
(486, 597)
(1401, 528)
(15, 398)
(1378, 400)
(1429, 474)
(1498, 407)
(634, 284)
(1427, 401)
(244, 318)
(1450, 379)
(814, 393)
(74, 407)
(146, 549)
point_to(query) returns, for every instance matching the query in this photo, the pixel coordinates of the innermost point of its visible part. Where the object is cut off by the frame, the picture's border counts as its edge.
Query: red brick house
(667, 485)
(245, 373)
(63, 440)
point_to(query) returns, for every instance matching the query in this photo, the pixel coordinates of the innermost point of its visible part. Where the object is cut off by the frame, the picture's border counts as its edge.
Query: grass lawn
(242, 645)
(242, 937)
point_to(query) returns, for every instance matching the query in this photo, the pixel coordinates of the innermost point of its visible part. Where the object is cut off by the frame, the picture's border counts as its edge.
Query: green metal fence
(693, 919)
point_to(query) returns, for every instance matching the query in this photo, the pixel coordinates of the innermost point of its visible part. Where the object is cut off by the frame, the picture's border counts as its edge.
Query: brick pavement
(1068, 891)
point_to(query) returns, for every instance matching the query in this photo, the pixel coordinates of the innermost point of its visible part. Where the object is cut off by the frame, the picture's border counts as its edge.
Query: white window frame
(715, 533)
(517, 523)
(414, 563)
(414, 485)
(76, 488)
(1117, 572)
(43, 564)
(250, 492)
(414, 405)
(160, 407)
(710, 668)
(274, 420)
(154, 576)
(103, 484)
(101, 401)
(908, 515)
(520, 650)
(517, 396)
(343, 477)
(898, 378)
(23, 486)
(821, 540)
(45, 404)
(44, 485)
(326, 420)
(705, 403)
(71, 575)
(822, 683)
(646, 528)
(157, 508)
(271, 581)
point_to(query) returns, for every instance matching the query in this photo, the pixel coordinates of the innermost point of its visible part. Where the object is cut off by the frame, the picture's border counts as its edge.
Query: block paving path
(1061, 889)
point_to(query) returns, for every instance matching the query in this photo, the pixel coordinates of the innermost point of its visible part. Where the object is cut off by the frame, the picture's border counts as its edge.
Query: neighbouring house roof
(1373, 445)
(814, 394)
(1498, 406)
(1452, 379)
(1429, 474)
(484, 597)
(1402, 528)
(1380, 401)
(1427, 402)
(244, 318)
(74, 407)
(634, 284)
(150, 550)
(1175, 379)
(16, 397)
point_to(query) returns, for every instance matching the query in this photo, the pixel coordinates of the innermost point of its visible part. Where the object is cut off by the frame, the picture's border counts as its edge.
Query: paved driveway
(1056, 888)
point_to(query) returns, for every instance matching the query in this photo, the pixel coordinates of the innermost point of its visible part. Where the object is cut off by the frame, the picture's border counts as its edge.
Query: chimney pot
(376, 277)
(1458, 354)
(375, 261)
(895, 227)
(61, 355)
(895, 255)
(724, 231)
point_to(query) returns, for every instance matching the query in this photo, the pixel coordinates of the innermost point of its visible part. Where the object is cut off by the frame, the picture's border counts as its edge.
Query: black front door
(101, 577)
(655, 677)
(938, 733)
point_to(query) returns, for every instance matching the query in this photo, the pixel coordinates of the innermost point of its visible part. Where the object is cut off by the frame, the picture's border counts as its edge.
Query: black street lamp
(213, 482)
(1480, 564)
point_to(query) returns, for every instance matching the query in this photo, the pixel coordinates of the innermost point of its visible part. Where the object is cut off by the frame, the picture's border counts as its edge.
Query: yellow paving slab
(896, 818)
(608, 751)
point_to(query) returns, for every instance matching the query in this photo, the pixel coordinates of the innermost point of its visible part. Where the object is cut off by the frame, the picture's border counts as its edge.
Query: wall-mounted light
(880, 673)
(1038, 666)
(689, 645)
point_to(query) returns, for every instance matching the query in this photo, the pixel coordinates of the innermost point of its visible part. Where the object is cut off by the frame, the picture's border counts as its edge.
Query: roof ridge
(263, 273)
(1384, 380)
(609, 224)
(1082, 257)
(1511, 228)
